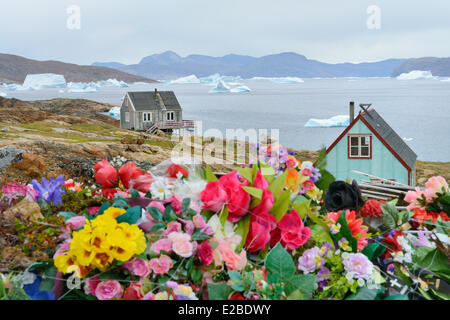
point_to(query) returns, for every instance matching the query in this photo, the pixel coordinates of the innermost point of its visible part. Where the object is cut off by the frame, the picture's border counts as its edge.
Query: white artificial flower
(161, 188)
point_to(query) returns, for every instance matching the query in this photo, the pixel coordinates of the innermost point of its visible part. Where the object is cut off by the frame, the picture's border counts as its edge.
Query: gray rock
(4, 129)
(7, 155)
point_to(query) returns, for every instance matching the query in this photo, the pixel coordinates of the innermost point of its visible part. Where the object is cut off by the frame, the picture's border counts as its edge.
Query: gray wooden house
(152, 110)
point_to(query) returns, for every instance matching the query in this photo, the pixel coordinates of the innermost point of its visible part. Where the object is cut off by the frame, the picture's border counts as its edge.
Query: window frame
(127, 116)
(359, 136)
(146, 119)
(173, 115)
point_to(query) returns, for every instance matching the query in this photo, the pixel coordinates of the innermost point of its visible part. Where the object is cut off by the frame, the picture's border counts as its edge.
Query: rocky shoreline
(68, 136)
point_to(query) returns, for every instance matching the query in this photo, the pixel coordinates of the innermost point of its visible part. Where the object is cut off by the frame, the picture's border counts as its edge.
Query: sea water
(418, 110)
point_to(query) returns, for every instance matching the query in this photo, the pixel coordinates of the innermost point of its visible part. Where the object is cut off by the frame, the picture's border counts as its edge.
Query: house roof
(386, 135)
(147, 100)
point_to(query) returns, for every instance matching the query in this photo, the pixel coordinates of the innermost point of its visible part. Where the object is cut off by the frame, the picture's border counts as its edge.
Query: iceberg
(14, 87)
(445, 80)
(280, 80)
(408, 139)
(223, 87)
(81, 87)
(416, 74)
(336, 121)
(2, 94)
(189, 79)
(114, 112)
(112, 83)
(44, 81)
(211, 80)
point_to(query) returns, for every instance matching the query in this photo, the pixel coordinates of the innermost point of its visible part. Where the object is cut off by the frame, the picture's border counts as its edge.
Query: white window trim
(360, 137)
(173, 115)
(144, 118)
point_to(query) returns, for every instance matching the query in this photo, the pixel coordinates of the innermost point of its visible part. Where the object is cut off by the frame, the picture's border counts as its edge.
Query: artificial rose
(175, 203)
(258, 235)
(173, 226)
(341, 196)
(128, 172)
(235, 261)
(142, 183)
(91, 284)
(213, 196)
(175, 169)
(133, 292)
(76, 222)
(162, 244)
(238, 199)
(260, 182)
(292, 231)
(140, 267)
(265, 204)
(181, 244)
(199, 221)
(107, 290)
(106, 174)
(310, 260)
(160, 265)
(437, 185)
(205, 253)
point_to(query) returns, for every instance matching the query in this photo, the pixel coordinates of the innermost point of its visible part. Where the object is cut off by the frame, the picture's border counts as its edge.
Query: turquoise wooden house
(371, 146)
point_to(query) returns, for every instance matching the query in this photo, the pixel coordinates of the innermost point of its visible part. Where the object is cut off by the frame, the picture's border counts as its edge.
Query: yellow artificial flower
(63, 262)
(113, 212)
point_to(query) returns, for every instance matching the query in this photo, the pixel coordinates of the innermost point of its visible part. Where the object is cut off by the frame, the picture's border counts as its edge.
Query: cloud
(126, 31)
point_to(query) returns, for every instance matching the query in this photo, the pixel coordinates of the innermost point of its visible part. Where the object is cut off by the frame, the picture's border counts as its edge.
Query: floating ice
(2, 94)
(44, 81)
(281, 80)
(336, 121)
(81, 87)
(408, 139)
(416, 74)
(14, 87)
(211, 80)
(189, 79)
(223, 87)
(445, 80)
(115, 112)
(112, 83)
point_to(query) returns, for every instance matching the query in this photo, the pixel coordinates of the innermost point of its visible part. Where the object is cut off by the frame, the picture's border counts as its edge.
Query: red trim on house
(357, 135)
(359, 117)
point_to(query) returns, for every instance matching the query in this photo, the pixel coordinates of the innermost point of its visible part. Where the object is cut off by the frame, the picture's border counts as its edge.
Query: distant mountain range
(169, 65)
(15, 69)
(439, 67)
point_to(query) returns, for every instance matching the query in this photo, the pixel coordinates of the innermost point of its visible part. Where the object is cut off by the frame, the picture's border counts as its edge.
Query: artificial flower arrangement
(263, 231)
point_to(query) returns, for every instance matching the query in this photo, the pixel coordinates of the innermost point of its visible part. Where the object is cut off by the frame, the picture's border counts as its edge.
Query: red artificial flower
(359, 231)
(173, 170)
(237, 296)
(106, 174)
(261, 225)
(265, 204)
(133, 292)
(371, 209)
(260, 182)
(238, 199)
(391, 242)
(291, 231)
(205, 253)
(128, 172)
(105, 192)
(421, 215)
(142, 183)
(175, 204)
(213, 196)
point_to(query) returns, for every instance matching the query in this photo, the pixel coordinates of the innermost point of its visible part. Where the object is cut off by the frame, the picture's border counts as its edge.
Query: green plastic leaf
(209, 175)
(185, 204)
(134, 193)
(103, 207)
(157, 227)
(131, 216)
(169, 214)
(321, 162)
(390, 212)
(296, 295)
(223, 215)
(346, 232)
(48, 279)
(67, 215)
(365, 293)
(254, 192)
(281, 205)
(302, 207)
(219, 291)
(397, 297)
(234, 275)
(155, 213)
(303, 282)
(120, 203)
(374, 250)
(246, 173)
(325, 180)
(277, 185)
(242, 229)
(279, 261)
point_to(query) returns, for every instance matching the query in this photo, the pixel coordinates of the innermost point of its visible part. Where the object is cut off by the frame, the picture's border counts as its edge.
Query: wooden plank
(387, 185)
(375, 177)
(379, 193)
(376, 197)
(366, 186)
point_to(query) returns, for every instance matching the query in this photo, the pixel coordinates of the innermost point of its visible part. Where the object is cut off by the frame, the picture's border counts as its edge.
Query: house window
(127, 117)
(147, 116)
(170, 116)
(359, 146)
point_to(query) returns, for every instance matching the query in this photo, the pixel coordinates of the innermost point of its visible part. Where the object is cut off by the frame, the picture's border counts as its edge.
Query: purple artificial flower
(323, 274)
(310, 260)
(358, 266)
(50, 190)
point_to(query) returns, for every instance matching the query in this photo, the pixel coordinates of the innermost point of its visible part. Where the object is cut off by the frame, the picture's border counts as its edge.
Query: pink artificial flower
(225, 253)
(172, 226)
(140, 267)
(291, 163)
(199, 221)
(107, 290)
(90, 285)
(65, 246)
(260, 182)
(76, 222)
(133, 292)
(181, 244)
(93, 210)
(238, 199)
(162, 245)
(436, 184)
(213, 196)
(308, 184)
(306, 172)
(205, 253)
(157, 204)
(161, 265)
(175, 203)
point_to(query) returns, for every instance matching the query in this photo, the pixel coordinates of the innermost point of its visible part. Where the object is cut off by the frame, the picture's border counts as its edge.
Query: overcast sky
(127, 30)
